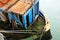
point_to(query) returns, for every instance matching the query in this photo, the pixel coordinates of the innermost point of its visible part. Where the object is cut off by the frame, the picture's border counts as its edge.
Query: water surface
(52, 8)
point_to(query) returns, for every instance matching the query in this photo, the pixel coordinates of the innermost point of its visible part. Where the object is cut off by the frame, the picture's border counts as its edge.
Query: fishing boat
(22, 20)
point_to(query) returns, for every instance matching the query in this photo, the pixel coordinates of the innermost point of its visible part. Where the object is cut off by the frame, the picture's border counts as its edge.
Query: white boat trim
(47, 26)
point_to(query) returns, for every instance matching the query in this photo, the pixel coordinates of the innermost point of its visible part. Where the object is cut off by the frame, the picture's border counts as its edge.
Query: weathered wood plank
(21, 6)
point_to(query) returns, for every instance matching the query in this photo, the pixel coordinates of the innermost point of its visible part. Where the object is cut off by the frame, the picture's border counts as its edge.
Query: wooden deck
(21, 7)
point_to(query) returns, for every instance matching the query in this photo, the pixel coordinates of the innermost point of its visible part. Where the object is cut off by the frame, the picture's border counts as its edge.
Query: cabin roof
(19, 7)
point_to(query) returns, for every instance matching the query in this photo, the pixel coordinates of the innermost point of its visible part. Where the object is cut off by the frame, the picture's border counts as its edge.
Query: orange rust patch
(2, 2)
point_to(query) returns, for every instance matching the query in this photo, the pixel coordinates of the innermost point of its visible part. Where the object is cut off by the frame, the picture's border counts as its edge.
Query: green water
(52, 8)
